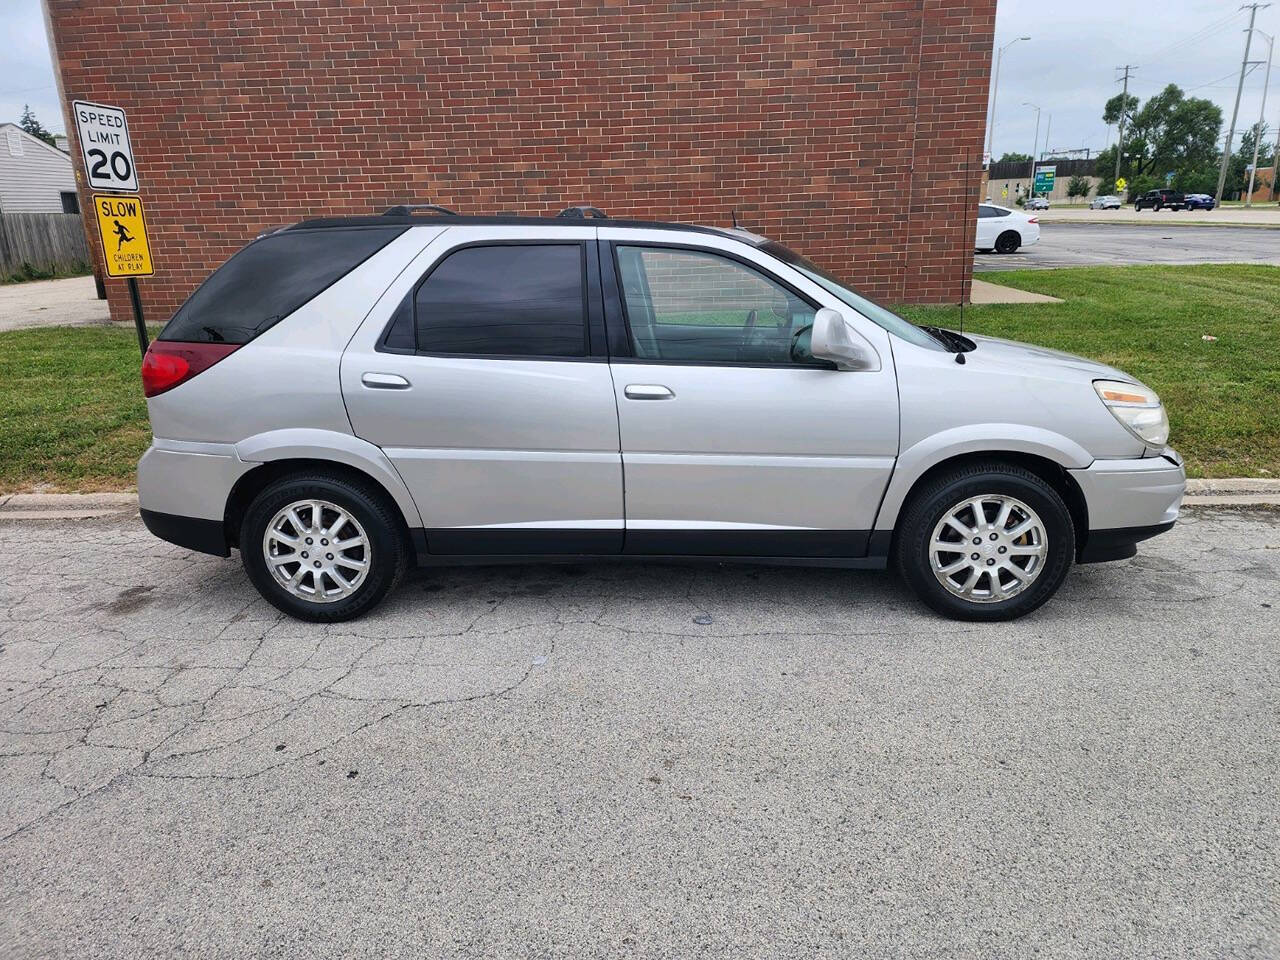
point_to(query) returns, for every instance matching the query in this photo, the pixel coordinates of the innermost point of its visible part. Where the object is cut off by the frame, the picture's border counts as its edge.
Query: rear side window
(516, 300)
(269, 279)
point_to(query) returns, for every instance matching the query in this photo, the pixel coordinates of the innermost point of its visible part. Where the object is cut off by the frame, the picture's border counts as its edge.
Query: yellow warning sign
(124, 236)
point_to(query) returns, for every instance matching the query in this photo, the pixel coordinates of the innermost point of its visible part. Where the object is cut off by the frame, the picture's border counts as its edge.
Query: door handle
(385, 381)
(647, 391)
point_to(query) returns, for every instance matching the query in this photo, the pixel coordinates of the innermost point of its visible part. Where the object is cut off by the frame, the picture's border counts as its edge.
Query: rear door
(735, 441)
(483, 375)
(988, 219)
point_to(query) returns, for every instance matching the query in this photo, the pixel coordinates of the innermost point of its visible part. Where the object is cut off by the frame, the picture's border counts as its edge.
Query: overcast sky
(1067, 67)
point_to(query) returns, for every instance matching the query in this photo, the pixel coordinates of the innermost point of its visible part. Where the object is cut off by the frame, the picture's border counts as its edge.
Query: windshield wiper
(955, 342)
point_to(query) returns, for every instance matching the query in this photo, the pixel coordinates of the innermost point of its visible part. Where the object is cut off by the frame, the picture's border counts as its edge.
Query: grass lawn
(72, 416)
(1223, 396)
(72, 413)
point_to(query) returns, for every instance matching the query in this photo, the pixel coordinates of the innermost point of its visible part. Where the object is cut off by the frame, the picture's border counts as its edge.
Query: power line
(1203, 33)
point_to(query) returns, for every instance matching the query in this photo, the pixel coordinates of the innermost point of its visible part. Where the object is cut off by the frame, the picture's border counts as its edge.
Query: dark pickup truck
(1156, 199)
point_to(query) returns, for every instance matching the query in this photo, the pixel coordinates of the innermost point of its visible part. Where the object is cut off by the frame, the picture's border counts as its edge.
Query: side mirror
(833, 339)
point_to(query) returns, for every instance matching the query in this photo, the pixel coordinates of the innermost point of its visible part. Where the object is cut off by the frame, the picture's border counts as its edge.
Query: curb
(1237, 492)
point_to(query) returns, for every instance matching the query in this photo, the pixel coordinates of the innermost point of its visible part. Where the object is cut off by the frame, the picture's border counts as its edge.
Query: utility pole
(995, 92)
(1124, 109)
(1257, 131)
(1031, 187)
(1048, 128)
(1231, 131)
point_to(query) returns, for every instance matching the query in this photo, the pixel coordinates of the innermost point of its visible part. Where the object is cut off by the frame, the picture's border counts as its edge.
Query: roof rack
(407, 209)
(580, 213)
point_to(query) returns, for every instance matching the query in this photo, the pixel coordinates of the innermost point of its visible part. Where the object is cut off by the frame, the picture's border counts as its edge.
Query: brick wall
(851, 131)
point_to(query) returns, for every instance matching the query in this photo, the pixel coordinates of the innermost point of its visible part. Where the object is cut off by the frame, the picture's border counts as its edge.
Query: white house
(34, 177)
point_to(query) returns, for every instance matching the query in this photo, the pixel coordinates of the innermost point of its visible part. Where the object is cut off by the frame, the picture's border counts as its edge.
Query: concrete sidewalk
(984, 292)
(50, 303)
(1265, 215)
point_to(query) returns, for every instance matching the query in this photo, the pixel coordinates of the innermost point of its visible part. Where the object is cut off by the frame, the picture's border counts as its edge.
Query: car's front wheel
(1008, 242)
(987, 541)
(322, 548)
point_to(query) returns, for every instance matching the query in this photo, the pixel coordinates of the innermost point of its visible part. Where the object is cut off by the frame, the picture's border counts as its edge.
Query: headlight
(1137, 408)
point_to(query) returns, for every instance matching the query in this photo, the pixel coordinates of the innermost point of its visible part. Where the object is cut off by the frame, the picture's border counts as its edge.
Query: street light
(1031, 187)
(1257, 131)
(995, 92)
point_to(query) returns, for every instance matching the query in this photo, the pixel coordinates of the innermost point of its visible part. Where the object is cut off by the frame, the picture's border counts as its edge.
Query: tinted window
(269, 279)
(986, 213)
(522, 300)
(694, 306)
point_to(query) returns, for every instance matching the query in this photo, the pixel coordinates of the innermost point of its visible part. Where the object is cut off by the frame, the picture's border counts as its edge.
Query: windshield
(880, 316)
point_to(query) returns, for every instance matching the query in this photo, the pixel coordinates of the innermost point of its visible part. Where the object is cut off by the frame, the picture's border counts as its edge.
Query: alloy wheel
(989, 548)
(317, 551)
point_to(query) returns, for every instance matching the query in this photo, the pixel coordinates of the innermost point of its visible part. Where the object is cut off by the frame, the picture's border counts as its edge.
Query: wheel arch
(1048, 455)
(281, 453)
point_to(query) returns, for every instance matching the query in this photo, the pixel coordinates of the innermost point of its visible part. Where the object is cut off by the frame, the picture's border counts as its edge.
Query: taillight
(1033, 219)
(168, 363)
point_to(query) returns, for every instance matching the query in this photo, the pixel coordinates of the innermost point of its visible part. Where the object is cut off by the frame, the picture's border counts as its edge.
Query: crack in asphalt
(176, 670)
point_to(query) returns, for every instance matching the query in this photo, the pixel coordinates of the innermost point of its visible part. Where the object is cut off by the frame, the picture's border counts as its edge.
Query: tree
(1015, 158)
(1170, 133)
(31, 125)
(1238, 168)
(1078, 186)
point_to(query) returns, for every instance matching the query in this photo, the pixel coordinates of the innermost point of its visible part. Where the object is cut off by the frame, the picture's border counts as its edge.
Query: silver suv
(346, 397)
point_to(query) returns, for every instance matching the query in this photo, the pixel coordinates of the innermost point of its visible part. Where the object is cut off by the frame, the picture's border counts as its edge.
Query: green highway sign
(1044, 180)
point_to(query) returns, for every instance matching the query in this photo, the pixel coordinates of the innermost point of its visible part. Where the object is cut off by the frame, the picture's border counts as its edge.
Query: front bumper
(1128, 501)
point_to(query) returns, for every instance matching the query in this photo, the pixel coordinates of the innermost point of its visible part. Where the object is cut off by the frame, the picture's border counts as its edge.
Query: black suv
(1155, 199)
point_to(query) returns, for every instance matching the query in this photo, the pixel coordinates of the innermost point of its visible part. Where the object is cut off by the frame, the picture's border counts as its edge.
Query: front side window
(514, 300)
(695, 306)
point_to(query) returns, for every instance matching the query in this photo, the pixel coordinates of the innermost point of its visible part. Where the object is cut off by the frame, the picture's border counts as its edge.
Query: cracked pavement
(572, 761)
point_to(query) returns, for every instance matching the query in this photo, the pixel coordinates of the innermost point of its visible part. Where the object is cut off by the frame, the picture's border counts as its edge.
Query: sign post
(125, 249)
(103, 132)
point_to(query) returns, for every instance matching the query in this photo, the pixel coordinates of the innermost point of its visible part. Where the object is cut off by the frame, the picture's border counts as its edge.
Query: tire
(1156, 207)
(371, 516)
(1008, 242)
(925, 516)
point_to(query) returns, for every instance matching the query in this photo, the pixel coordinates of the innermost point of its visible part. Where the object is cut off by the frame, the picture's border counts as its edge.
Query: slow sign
(104, 142)
(124, 236)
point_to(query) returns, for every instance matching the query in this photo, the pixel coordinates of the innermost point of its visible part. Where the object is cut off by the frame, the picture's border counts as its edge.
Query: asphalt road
(637, 761)
(1090, 245)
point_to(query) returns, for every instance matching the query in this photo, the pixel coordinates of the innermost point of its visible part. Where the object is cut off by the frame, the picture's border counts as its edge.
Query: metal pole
(1231, 130)
(1031, 187)
(137, 315)
(1257, 131)
(995, 93)
(1124, 109)
(1048, 127)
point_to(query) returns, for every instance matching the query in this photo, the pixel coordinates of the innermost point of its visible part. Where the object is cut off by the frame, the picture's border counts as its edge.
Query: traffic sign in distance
(1121, 183)
(125, 250)
(104, 143)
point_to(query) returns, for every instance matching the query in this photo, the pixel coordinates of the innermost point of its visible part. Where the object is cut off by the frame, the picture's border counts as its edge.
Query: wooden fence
(47, 241)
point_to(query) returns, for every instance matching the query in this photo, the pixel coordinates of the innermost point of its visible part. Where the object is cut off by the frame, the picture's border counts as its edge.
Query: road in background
(1100, 245)
(637, 760)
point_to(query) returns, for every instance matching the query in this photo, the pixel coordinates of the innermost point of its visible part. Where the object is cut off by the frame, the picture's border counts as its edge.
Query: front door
(735, 440)
(485, 394)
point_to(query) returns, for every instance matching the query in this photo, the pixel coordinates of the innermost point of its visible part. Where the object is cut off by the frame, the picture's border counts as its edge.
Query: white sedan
(1004, 230)
(1105, 202)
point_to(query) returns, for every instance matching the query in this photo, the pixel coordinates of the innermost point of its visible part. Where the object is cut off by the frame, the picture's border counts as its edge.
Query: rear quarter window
(270, 279)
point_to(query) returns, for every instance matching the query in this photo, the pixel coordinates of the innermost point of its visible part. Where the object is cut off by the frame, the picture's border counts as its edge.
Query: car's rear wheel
(1008, 242)
(322, 548)
(988, 541)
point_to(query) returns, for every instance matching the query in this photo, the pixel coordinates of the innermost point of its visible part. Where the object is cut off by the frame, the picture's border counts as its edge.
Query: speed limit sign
(104, 143)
